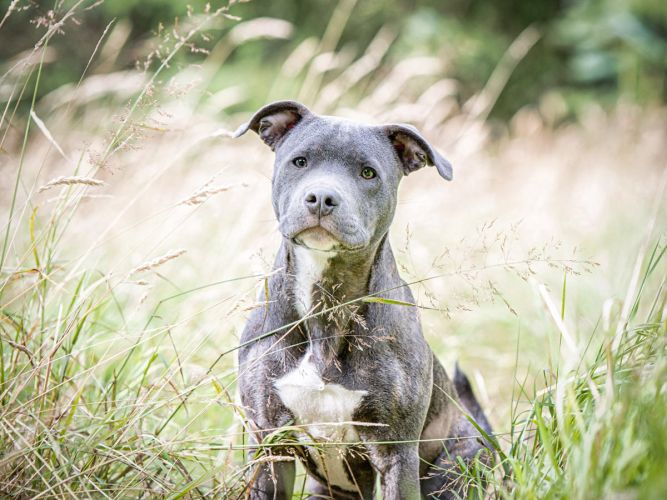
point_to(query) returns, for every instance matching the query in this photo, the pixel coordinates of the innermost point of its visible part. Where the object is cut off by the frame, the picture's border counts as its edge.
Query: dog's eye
(300, 161)
(368, 173)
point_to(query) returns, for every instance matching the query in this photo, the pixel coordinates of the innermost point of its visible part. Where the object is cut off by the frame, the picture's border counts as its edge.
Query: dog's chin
(317, 238)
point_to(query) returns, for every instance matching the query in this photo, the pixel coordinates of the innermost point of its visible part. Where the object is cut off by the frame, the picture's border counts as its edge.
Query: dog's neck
(328, 279)
(322, 285)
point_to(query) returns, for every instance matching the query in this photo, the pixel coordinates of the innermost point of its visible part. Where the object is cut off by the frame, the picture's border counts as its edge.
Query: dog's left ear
(274, 121)
(415, 152)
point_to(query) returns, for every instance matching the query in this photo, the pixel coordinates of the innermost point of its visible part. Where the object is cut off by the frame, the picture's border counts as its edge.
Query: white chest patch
(309, 267)
(323, 410)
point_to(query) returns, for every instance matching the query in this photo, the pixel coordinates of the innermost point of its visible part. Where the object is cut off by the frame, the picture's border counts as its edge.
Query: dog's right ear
(274, 121)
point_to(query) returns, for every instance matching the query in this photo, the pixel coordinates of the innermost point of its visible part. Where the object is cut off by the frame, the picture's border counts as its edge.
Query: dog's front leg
(272, 475)
(272, 479)
(398, 466)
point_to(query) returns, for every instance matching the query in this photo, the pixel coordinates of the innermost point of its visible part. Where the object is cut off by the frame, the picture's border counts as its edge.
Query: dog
(353, 378)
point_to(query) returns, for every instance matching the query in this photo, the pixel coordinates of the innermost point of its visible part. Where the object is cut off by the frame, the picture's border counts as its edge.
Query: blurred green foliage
(598, 50)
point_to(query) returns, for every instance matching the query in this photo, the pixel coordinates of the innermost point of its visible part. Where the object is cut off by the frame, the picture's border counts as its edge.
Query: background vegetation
(137, 234)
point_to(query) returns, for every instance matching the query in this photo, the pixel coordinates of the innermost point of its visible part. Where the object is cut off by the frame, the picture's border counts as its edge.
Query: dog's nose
(321, 201)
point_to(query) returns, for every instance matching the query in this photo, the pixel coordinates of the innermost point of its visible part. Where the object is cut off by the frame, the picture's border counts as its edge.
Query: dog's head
(335, 181)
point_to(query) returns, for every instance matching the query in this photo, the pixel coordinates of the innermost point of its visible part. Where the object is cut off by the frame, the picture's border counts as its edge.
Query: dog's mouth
(317, 238)
(324, 236)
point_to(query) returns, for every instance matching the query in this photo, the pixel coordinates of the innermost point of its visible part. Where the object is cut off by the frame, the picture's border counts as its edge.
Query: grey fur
(373, 347)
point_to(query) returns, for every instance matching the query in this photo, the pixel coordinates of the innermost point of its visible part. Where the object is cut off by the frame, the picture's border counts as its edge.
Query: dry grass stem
(49, 136)
(201, 196)
(159, 261)
(71, 181)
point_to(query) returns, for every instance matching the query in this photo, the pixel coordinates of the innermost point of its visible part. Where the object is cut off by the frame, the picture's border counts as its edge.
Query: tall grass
(597, 429)
(136, 238)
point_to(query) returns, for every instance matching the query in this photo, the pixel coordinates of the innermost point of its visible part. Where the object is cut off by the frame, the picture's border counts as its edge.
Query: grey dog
(354, 379)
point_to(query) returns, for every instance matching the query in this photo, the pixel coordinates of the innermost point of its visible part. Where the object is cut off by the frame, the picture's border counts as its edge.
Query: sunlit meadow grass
(137, 236)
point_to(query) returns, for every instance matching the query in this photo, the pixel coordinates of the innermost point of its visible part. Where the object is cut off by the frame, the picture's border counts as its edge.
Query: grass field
(136, 236)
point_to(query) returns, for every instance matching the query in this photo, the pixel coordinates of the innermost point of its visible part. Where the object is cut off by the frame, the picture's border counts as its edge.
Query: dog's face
(335, 182)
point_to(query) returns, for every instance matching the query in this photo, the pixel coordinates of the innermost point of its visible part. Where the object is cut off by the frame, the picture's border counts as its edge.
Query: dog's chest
(325, 412)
